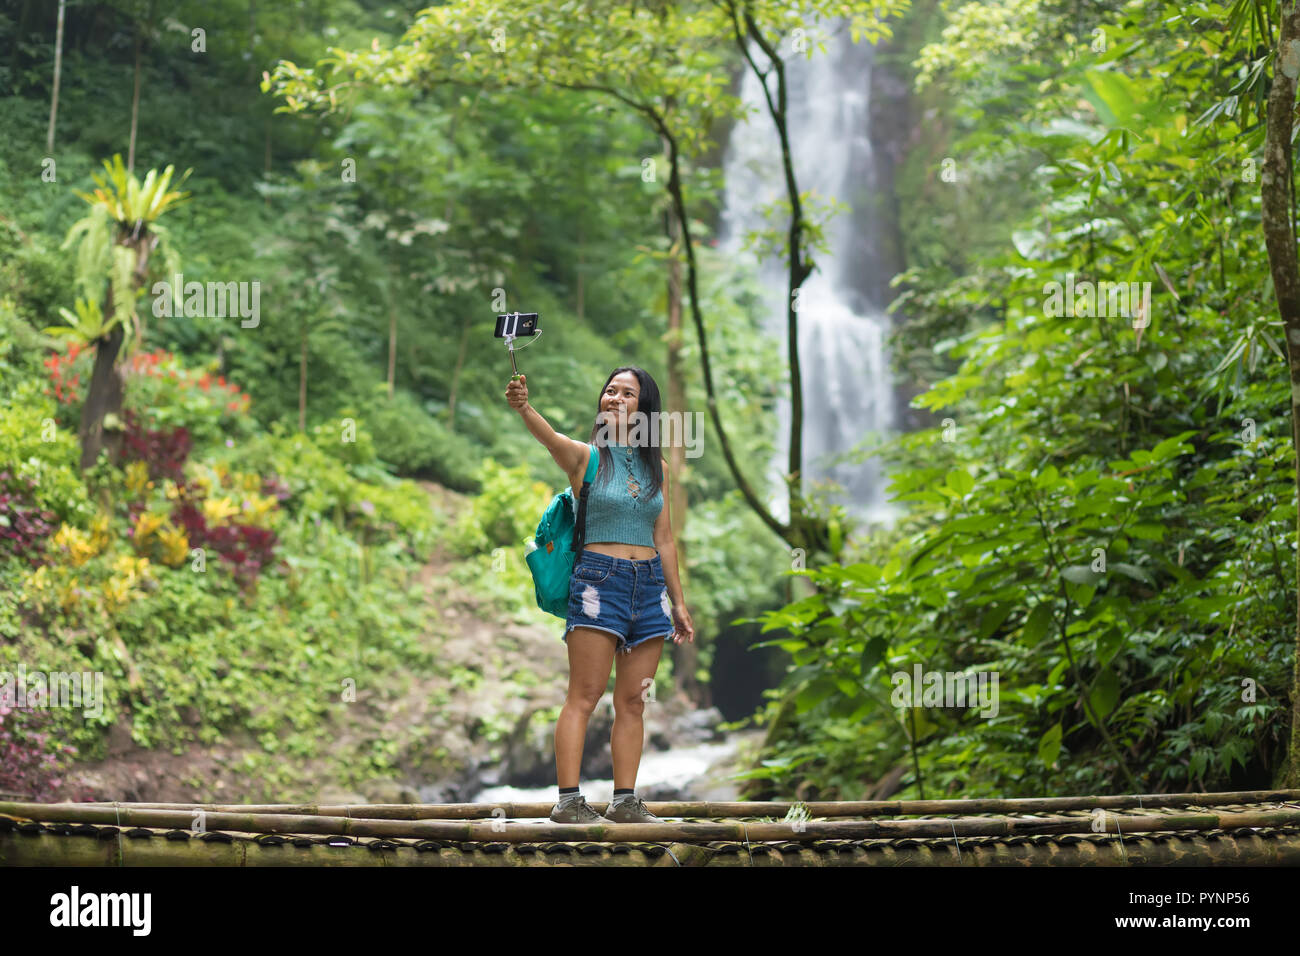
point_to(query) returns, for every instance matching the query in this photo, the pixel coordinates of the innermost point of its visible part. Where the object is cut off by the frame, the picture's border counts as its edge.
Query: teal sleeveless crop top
(614, 513)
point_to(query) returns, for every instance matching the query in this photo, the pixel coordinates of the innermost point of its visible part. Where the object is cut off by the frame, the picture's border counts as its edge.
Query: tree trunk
(103, 397)
(58, 73)
(107, 386)
(688, 654)
(1279, 238)
(135, 105)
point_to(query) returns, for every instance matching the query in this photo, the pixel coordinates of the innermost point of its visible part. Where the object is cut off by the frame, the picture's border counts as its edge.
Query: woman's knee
(629, 705)
(581, 701)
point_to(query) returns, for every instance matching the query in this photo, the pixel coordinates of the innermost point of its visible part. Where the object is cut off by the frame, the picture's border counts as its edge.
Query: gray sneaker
(576, 811)
(630, 811)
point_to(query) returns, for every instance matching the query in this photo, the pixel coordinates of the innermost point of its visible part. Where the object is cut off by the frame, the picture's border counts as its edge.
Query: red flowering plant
(169, 395)
(69, 377)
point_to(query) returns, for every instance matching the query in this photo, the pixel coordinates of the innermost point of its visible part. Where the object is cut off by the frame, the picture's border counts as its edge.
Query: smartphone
(518, 324)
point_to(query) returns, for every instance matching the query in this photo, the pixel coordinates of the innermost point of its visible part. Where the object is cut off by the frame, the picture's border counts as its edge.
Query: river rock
(389, 791)
(699, 726)
(330, 794)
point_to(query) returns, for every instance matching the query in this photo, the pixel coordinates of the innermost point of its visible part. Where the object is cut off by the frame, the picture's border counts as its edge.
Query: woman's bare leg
(591, 655)
(633, 673)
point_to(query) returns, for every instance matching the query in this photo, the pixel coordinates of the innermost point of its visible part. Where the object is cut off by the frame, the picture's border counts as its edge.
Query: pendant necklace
(632, 486)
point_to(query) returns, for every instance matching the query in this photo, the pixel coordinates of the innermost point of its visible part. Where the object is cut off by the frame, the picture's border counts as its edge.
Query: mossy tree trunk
(1276, 190)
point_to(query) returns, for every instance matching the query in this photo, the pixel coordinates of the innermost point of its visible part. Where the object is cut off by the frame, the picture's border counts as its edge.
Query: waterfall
(848, 392)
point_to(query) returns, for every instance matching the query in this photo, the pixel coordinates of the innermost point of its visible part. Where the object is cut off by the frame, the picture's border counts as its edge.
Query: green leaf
(1082, 594)
(960, 481)
(872, 655)
(1036, 626)
(1108, 646)
(1082, 574)
(848, 688)
(1171, 447)
(1110, 93)
(1147, 532)
(1133, 571)
(1105, 693)
(992, 619)
(1049, 477)
(812, 695)
(1049, 745)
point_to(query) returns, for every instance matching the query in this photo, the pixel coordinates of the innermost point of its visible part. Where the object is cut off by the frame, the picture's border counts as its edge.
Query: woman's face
(622, 392)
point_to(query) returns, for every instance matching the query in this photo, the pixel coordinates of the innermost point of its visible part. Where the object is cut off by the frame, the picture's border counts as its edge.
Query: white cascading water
(847, 384)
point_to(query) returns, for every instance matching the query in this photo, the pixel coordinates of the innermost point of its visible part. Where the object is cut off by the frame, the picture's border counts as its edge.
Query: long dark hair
(647, 404)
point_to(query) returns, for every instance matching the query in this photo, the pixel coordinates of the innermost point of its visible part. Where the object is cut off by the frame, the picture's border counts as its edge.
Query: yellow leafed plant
(175, 546)
(137, 478)
(145, 526)
(133, 570)
(218, 511)
(258, 510)
(117, 594)
(75, 544)
(99, 532)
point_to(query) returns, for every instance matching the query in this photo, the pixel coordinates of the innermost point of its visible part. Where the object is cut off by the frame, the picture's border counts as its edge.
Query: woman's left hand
(682, 626)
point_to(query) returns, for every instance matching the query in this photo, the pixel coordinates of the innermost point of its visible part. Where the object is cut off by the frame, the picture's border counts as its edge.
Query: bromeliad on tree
(114, 243)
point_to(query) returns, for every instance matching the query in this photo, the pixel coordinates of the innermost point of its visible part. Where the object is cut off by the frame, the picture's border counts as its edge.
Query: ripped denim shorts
(626, 598)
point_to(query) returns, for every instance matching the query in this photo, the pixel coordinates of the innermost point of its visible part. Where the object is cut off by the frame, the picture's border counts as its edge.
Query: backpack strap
(580, 530)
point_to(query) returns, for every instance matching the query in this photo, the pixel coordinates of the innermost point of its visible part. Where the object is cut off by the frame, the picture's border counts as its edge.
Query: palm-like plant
(114, 243)
(130, 201)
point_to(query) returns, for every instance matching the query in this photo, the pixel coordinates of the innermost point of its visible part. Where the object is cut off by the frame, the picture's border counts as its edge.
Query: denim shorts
(626, 598)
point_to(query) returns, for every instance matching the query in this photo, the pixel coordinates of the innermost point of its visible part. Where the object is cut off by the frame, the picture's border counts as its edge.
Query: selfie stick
(512, 319)
(510, 344)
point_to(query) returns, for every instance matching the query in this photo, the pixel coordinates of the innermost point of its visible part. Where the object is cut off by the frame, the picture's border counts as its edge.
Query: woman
(621, 586)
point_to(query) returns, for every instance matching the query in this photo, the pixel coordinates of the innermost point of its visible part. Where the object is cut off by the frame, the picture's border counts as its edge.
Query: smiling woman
(625, 593)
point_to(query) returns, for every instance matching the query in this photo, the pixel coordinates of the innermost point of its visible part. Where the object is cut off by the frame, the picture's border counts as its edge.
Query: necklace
(633, 487)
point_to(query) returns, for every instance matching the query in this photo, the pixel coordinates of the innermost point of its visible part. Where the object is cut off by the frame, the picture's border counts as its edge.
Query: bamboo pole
(518, 832)
(47, 849)
(848, 808)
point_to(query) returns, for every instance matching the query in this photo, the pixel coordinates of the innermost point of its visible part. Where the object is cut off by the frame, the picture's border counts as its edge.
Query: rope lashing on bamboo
(954, 841)
(120, 856)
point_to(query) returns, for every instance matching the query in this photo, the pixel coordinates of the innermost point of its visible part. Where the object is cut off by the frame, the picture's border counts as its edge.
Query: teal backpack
(560, 537)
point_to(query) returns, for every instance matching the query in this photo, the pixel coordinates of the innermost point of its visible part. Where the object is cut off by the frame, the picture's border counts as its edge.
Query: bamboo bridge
(1252, 828)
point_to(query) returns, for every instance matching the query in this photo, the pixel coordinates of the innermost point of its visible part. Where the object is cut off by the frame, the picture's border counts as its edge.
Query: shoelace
(639, 805)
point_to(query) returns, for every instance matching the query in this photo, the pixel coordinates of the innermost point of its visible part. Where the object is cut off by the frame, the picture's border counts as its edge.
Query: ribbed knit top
(614, 513)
